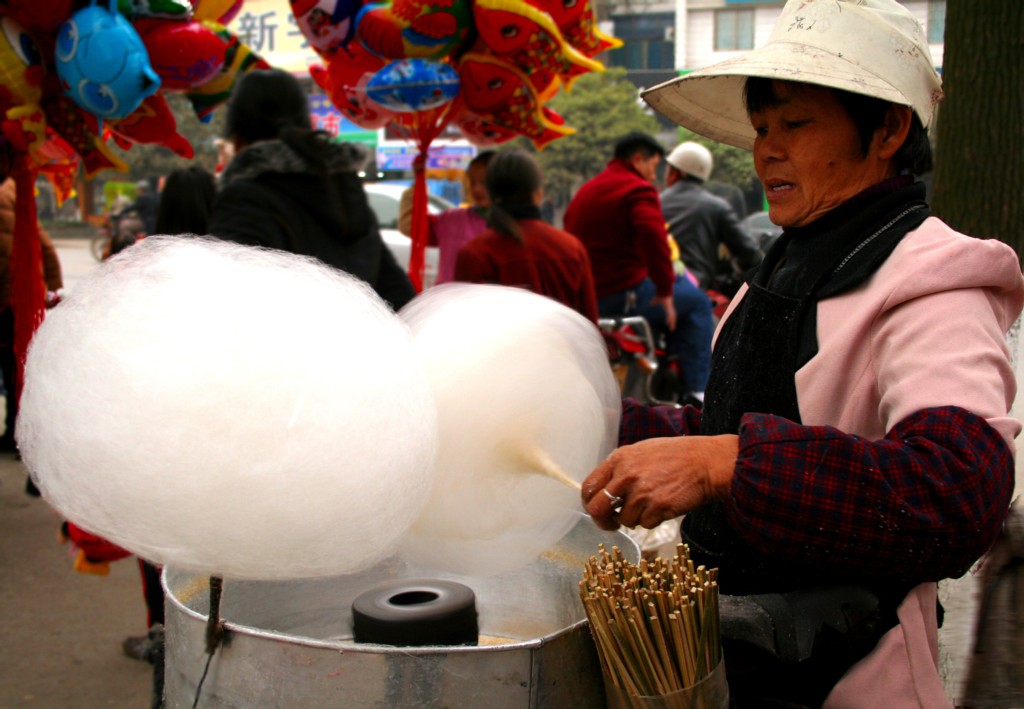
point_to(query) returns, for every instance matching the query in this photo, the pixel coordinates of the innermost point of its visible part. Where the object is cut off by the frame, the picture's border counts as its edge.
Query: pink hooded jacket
(928, 329)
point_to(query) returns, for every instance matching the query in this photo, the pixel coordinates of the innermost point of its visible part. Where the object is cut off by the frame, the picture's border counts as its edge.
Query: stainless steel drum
(291, 642)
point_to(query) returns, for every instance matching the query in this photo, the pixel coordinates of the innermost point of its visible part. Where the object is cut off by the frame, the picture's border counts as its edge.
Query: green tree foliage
(602, 106)
(979, 175)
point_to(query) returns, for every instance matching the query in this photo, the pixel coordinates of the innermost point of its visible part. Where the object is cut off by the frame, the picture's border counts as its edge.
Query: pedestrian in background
(701, 222)
(452, 229)
(617, 215)
(52, 279)
(186, 202)
(520, 249)
(291, 188)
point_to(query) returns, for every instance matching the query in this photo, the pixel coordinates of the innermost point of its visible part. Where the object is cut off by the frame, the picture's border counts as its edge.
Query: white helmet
(691, 158)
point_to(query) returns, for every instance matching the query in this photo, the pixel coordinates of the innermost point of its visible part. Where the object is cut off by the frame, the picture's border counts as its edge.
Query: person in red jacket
(520, 249)
(617, 215)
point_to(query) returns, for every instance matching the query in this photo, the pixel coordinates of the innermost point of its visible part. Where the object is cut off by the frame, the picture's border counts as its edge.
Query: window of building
(734, 29)
(936, 21)
(644, 42)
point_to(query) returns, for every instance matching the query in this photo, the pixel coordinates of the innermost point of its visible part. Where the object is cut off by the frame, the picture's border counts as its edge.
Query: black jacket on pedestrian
(271, 196)
(699, 221)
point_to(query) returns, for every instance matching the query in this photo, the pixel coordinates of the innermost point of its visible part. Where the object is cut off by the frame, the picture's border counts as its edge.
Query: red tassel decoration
(28, 292)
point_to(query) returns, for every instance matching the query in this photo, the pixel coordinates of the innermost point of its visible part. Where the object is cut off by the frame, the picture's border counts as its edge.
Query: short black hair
(866, 112)
(265, 102)
(637, 142)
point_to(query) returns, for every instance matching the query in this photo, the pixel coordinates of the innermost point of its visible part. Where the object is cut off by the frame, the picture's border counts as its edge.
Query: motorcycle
(642, 366)
(116, 232)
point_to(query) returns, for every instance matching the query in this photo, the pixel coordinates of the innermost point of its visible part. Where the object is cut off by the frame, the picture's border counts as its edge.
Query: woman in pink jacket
(855, 445)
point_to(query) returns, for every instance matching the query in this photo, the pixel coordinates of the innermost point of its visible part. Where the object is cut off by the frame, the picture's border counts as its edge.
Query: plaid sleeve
(922, 504)
(640, 422)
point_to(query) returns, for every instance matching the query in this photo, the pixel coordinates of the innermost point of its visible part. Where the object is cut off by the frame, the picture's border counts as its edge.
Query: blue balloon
(102, 63)
(410, 85)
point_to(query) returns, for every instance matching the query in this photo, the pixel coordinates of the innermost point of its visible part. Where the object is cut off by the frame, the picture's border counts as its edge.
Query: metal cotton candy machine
(291, 643)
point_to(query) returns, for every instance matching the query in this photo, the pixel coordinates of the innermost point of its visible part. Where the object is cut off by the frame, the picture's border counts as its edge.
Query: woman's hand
(660, 479)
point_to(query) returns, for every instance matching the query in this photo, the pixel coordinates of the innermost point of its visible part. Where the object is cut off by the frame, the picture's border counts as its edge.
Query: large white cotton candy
(517, 377)
(231, 411)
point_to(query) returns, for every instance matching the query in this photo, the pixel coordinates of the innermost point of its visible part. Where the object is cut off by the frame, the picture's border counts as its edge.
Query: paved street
(61, 631)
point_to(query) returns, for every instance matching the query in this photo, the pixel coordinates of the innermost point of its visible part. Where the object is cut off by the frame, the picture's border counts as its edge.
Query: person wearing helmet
(856, 445)
(700, 221)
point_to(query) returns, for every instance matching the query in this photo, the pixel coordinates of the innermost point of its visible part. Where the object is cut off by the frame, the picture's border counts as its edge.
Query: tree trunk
(978, 185)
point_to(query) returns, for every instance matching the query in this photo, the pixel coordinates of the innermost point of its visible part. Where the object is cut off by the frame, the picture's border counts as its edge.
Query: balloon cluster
(75, 76)
(493, 63)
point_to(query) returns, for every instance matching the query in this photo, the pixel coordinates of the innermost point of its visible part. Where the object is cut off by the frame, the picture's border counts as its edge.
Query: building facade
(664, 39)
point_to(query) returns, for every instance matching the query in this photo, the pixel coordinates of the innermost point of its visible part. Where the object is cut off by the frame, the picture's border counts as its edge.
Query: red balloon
(183, 54)
(37, 16)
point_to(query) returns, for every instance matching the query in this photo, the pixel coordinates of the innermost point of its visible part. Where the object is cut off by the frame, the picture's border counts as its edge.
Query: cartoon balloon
(501, 95)
(183, 54)
(328, 25)
(428, 29)
(102, 62)
(152, 122)
(410, 85)
(344, 81)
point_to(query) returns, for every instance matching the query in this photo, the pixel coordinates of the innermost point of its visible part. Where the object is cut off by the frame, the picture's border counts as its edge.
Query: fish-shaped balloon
(575, 18)
(183, 54)
(500, 94)
(102, 63)
(528, 38)
(152, 122)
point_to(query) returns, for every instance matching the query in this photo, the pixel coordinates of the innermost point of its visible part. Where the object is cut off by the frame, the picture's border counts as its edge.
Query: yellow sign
(268, 27)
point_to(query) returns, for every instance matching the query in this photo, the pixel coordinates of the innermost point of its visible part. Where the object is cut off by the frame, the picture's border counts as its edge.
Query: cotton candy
(518, 379)
(230, 411)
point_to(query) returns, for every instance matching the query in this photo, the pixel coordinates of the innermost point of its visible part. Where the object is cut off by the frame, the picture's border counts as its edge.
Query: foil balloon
(102, 63)
(344, 81)
(411, 85)
(167, 9)
(183, 54)
(157, 414)
(429, 29)
(21, 79)
(220, 11)
(152, 122)
(575, 18)
(238, 59)
(500, 94)
(328, 25)
(529, 39)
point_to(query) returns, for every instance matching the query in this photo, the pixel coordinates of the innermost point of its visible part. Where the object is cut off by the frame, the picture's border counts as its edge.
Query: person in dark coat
(290, 188)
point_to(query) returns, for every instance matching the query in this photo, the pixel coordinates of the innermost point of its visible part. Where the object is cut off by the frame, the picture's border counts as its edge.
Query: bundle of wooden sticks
(655, 625)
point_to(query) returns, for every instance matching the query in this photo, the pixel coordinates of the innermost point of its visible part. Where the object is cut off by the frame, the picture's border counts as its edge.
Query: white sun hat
(871, 47)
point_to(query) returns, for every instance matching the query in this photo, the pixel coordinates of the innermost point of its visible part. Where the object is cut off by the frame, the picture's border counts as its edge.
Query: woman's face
(808, 154)
(478, 195)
